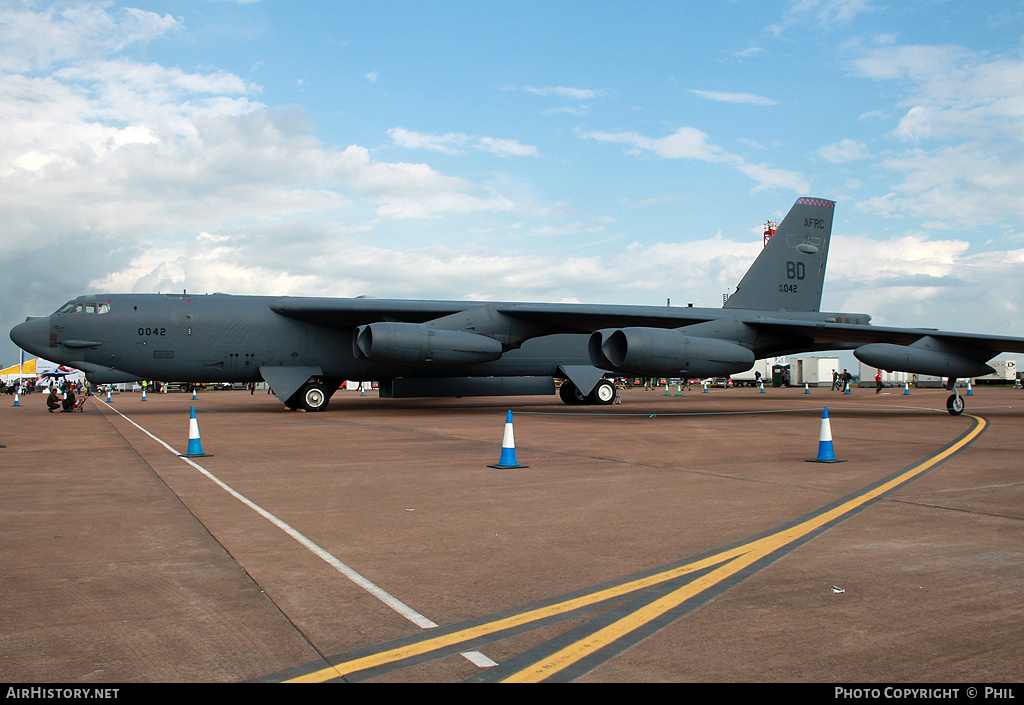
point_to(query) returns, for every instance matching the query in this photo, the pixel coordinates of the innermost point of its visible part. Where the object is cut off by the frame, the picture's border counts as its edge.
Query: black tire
(312, 397)
(955, 404)
(570, 394)
(603, 393)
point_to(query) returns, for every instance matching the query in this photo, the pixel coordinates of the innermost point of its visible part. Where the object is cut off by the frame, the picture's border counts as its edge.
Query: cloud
(119, 164)
(505, 147)
(825, 14)
(843, 151)
(565, 92)
(447, 144)
(962, 125)
(451, 143)
(915, 280)
(32, 41)
(748, 98)
(691, 143)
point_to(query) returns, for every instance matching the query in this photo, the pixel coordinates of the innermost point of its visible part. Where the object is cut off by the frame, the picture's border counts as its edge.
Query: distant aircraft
(305, 347)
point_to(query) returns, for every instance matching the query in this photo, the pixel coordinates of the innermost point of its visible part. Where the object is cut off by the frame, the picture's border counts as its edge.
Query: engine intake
(417, 344)
(660, 351)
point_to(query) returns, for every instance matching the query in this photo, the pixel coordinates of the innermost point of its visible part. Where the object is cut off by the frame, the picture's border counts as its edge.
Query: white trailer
(1006, 371)
(749, 378)
(814, 371)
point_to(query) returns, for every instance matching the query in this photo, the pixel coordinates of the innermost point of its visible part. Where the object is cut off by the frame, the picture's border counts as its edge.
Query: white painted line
(388, 599)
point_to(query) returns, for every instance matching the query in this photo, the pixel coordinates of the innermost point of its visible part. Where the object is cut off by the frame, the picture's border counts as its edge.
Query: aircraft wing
(847, 335)
(564, 317)
(349, 313)
(586, 318)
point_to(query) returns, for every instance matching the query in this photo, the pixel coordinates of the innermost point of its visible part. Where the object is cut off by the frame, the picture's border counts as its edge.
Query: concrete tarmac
(307, 540)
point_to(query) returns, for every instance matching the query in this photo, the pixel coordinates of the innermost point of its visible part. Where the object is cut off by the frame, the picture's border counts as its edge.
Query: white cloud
(825, 14)
(724, 97)
(963, 124)
(408, 139)
(566, 92)
(843, 151)
(505, 147)
(691, 143)
(31, 40)
(451, 143)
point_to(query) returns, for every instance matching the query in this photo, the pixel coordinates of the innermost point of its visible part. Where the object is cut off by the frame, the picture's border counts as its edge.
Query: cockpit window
(80, 307)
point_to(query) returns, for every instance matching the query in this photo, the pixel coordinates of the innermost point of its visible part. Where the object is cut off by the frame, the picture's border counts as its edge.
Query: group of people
(839, 381)
(61, 399)
(11, 388)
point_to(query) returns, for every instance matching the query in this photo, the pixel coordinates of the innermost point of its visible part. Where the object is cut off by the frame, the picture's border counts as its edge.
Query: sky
(591, 151)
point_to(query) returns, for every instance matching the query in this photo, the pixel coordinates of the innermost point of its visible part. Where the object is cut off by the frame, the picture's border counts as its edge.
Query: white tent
(42, 371)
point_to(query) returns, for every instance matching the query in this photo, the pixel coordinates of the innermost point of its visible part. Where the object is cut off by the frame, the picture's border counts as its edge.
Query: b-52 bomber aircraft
(305, 347)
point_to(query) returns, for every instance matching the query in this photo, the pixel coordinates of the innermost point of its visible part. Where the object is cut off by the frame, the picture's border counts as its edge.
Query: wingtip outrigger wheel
(955, 402)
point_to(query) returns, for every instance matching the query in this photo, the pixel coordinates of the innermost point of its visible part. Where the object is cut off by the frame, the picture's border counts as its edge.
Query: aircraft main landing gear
(312, 396)
(604, 393)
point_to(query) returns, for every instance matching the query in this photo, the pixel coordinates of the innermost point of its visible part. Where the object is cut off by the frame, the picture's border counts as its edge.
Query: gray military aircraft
(305, 347)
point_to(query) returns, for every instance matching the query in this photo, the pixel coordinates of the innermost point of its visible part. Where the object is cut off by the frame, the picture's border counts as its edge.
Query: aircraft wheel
(313, 397)
(955, 404)
(604, 393)
(569, 393)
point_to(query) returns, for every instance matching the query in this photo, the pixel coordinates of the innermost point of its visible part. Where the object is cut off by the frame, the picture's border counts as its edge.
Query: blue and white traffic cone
(143, 394)
(108, 395)
(16, 401)
(193, 393)
(705, 387)
(826, 454)
(508, 447)
(761, 384)
(846, 388)
(969, 392)
(906, 388)
(807, 389)
(195, 446)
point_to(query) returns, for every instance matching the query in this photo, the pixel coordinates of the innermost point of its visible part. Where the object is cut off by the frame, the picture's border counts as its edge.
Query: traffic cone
(969, 392)
(906, 388)
(193, 394)
(108, 395)
(195, 446)
(761, 384)
(826, 454)
(143, 394)
(16, 401)
(806, 389)
(846, 388)
(508, 448)
(705, 387)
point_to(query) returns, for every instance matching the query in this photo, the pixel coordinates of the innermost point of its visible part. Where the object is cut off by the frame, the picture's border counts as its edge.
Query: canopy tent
(27, 369)
(42, 371)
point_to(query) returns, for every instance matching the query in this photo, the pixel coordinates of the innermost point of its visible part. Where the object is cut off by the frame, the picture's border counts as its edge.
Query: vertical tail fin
(790, 271)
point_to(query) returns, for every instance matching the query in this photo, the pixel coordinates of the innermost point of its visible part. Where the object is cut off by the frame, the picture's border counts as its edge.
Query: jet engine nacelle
(660, 351)
(417, 344)
(920, 360)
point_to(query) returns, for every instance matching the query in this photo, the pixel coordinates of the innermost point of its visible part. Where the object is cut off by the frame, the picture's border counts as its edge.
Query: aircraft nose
(33, 335)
